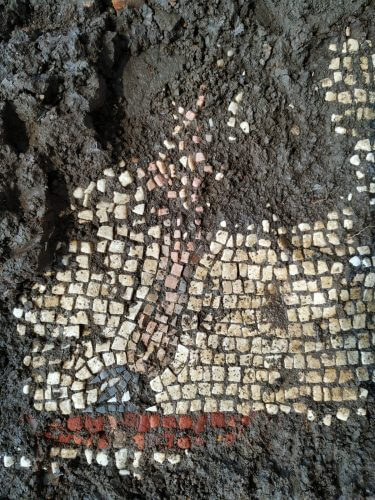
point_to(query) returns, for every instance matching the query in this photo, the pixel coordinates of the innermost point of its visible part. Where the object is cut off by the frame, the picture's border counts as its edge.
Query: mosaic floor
(273, 318)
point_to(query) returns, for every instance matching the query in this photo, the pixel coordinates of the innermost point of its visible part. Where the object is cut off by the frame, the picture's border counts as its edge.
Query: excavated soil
(82, 87)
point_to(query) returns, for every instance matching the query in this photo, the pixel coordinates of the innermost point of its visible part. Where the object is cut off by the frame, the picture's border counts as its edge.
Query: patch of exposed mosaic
(268, 319)
(116, 302)
(232, 358)
(350, 90)
(122, 302)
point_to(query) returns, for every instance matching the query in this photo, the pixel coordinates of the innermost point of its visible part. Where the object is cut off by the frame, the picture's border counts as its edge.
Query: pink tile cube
(171, 282)
(177, 270)
(190, 115)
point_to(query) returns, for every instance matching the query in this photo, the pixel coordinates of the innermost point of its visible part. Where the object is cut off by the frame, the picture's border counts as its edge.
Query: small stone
(124, 472)
(174, 459)
(95, 365)
(121, 458)
(159, 457)
(101, 185)
(311, 415)
(363, 145)
(335, 63)
(68, 453)
(120, 198)
(327, 82)
(25, 462)
(295, 130)
(352, 45)
(190, 115)
(8, 461)
(53, 378)
(139, 209)
(102, 459)
(239, 97)
(17, 312)
(125, 179)
(327, 419)
(86, 215)
(78, 401)
(169, 144)
(156, 384)
(343, 414)
(65, 407)
(108, 172)
(55, 469)
(121, 212)
(330, 96)
(245, 127)
(233, 108)
(168, 377)
(89, 456)
(363, 393)
(78, 193)
(105, 232)
(355, 261)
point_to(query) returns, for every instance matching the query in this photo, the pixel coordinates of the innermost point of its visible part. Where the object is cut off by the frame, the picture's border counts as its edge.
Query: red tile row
(150, 430)
(145, 422)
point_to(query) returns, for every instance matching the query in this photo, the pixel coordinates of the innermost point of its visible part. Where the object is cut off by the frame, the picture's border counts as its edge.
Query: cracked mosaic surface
(271, 319)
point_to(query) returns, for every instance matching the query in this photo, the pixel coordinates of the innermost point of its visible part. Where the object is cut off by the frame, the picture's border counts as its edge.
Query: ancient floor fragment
(271, 318)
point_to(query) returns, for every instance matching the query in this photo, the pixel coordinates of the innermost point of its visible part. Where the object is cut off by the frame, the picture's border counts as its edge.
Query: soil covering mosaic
(159, 330)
